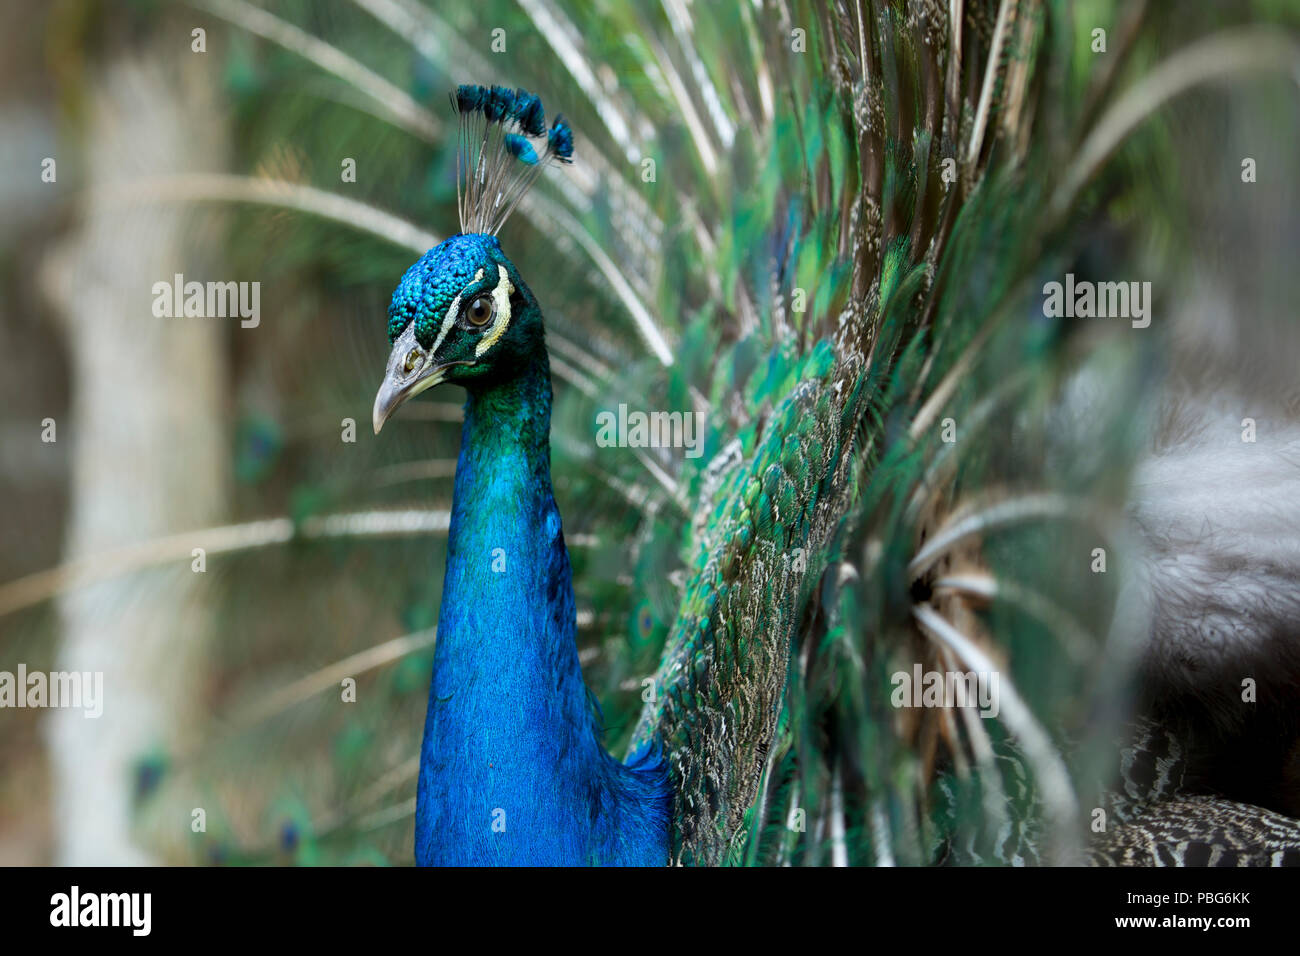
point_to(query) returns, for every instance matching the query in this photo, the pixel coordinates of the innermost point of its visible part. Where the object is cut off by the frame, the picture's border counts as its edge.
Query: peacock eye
(412, 359)
(481, 310)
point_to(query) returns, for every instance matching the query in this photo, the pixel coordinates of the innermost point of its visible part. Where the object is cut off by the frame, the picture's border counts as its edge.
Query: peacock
(510, 734)
(909, 568)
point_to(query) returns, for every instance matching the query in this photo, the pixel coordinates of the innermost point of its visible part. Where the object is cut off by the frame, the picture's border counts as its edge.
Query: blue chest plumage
(512, 769)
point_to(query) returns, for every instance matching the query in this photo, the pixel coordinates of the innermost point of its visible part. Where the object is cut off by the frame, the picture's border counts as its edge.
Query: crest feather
(498, 159)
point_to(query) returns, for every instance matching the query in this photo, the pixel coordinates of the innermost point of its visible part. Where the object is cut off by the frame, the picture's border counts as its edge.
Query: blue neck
(512, 770)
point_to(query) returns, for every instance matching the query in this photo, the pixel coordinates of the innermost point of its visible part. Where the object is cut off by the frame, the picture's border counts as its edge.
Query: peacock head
(462, 314)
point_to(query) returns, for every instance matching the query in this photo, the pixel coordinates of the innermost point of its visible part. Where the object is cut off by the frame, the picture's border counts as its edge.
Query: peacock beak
(390, 395)
(410, 371)
(393, 392)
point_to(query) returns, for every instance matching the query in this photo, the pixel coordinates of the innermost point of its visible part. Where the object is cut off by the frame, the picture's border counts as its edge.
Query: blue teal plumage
(436, 278)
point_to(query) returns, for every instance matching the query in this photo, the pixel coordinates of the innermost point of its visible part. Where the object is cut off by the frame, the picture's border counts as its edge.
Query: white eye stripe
(449, 319)
(501, 295)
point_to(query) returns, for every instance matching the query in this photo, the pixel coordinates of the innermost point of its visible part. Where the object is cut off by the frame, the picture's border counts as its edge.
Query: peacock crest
(503, 147)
